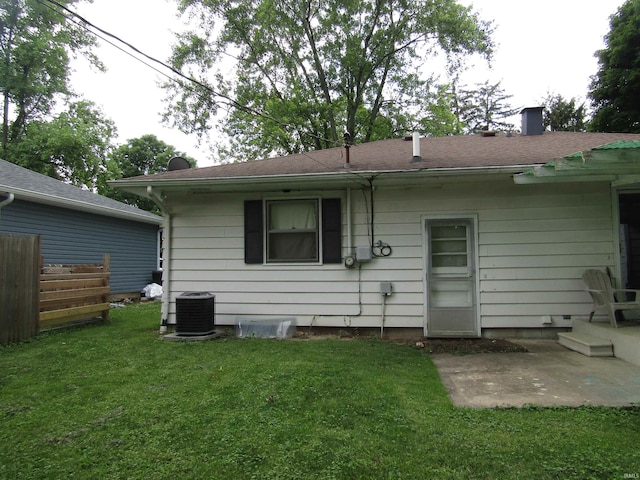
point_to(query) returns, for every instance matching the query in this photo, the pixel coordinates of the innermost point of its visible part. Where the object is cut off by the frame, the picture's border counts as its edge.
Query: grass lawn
(115, 401)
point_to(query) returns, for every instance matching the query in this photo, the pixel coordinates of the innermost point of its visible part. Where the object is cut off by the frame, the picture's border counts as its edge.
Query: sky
(543, 46)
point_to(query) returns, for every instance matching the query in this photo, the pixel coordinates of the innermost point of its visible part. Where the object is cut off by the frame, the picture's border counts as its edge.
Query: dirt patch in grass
(456, 346)
(465, 346)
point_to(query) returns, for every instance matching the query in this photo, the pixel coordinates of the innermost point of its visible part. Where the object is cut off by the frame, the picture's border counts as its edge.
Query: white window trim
(265, 231)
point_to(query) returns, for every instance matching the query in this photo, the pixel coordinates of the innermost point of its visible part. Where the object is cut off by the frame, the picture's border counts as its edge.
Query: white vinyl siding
(72, 236)
(534, 243)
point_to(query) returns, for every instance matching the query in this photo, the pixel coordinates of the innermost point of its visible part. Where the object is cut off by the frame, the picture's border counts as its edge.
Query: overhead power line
(140, 52)
(75, 17)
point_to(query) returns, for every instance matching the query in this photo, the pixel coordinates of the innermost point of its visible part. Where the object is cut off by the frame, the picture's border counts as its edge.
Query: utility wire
(113, 44)
(232, 102)
(84, 25)
(160, 62)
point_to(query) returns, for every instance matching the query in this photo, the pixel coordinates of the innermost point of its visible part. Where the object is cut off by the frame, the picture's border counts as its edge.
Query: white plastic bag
(153, 290)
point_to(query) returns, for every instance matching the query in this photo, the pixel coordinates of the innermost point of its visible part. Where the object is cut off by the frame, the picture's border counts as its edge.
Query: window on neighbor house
(297, 230)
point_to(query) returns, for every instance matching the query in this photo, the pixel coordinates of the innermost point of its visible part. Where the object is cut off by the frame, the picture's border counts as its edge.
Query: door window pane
(452, 293)
(448, 246)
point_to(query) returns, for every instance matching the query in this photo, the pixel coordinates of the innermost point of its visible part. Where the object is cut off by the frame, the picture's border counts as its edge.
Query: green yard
(115, 401)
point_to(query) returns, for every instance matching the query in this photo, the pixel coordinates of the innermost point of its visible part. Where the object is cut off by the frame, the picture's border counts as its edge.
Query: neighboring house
(77, 226)
(484, 234)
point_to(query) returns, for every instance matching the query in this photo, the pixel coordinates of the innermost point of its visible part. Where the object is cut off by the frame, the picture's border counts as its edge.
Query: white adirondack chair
(606, 297)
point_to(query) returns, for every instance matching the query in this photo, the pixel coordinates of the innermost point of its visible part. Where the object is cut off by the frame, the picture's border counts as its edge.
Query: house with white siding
(459, 236)
(77, 226)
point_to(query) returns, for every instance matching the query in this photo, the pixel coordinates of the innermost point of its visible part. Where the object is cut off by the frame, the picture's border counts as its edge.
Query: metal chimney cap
(532, 121)
(532, 109)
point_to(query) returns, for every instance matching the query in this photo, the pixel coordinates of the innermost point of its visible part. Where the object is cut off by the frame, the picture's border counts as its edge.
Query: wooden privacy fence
(19, 287)
(74, 292)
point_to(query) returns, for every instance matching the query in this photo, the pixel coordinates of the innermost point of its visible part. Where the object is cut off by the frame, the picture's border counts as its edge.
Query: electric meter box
(363, 253)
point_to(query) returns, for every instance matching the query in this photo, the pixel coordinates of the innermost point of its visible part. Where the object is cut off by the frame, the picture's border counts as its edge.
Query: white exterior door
(451, 279)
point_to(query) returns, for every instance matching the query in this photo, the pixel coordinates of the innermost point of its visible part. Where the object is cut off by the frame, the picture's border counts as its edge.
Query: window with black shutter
(293, 231)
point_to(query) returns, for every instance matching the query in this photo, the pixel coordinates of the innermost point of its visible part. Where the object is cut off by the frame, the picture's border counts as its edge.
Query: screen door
(451, 278)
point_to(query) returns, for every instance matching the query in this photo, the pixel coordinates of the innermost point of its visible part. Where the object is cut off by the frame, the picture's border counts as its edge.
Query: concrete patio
(547, 375)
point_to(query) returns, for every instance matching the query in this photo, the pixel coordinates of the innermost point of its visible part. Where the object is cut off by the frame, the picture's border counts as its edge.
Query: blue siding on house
(70, 236)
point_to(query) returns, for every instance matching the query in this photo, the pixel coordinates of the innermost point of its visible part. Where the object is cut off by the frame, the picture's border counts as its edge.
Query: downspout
(7, 200)
(166, 258)
(349, 240)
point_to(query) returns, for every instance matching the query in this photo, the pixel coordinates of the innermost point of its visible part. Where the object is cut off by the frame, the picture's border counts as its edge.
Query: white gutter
(80, 205)
(166, 259)
(295, 177)
(352, 175)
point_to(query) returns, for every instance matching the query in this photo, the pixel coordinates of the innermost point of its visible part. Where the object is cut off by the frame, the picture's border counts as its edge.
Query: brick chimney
(532, 121)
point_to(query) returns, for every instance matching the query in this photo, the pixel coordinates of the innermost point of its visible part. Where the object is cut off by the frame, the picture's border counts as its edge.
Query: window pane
(292, 234)
(454, 293)
(298, 215)
(449, 260)
(448, 231)
(448, 246)
(291, 247)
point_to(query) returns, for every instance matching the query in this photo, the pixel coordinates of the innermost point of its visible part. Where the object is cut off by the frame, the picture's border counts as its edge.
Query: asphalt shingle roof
(464, 151)
(31, 185)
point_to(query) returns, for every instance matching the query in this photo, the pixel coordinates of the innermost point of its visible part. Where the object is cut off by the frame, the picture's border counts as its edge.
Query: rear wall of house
(534, 243)
(72, 237)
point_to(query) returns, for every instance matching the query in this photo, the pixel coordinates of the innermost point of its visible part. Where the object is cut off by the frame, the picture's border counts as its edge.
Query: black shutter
(331, 230)
(253, 234)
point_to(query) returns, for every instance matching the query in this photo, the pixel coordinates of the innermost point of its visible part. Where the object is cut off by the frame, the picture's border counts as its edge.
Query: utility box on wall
(363, 253)
(386, 288)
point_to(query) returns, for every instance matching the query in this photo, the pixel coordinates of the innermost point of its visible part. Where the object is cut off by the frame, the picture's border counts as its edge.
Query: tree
(485, 108)
(614, 89)
(562, 115)
(72, 147)
(139, 156)
(308, 70)
(36, 42)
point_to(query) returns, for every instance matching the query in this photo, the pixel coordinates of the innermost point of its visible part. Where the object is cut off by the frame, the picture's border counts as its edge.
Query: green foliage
(485, 108)
(139, 156)
(72, 147)
(306, 72)
(114, 401)
(615, 87)
(562, 115)
(36, 42)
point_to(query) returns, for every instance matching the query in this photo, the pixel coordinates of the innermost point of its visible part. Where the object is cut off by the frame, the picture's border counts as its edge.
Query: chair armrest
(599, 297)
(636, 297)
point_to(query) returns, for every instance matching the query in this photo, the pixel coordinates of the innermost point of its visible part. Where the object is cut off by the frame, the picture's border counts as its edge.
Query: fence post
(106, 282)
(19, 287)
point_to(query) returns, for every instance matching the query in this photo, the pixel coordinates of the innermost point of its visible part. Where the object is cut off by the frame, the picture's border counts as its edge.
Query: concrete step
(586, 344)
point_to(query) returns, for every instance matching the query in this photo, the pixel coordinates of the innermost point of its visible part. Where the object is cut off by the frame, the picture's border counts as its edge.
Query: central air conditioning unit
(195, 313)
